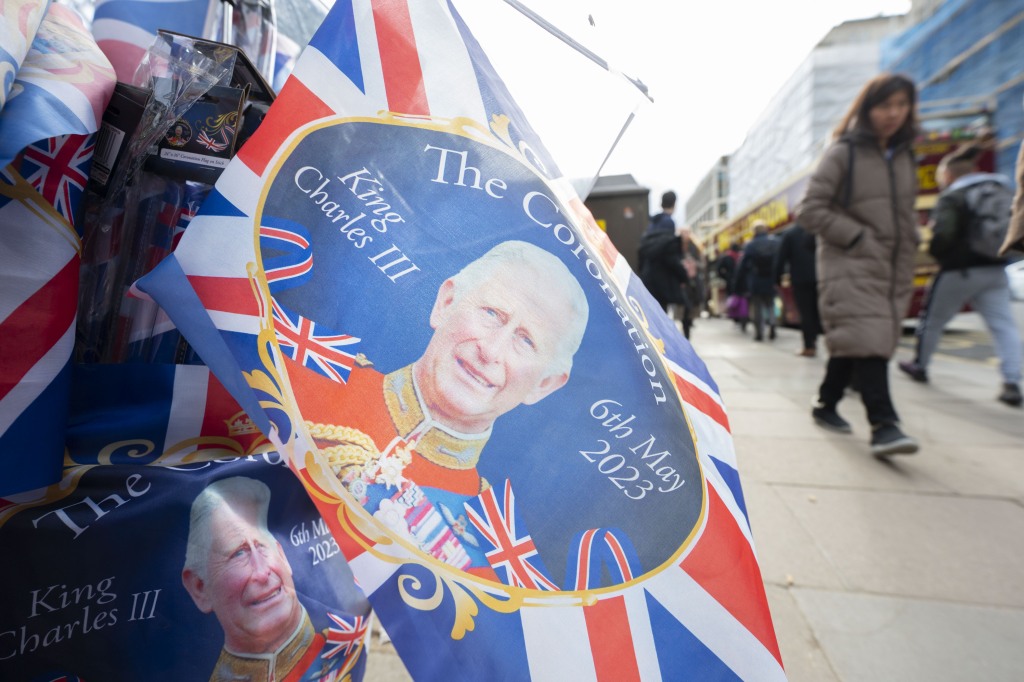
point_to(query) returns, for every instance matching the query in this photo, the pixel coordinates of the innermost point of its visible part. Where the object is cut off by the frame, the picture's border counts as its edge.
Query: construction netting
(968, 55)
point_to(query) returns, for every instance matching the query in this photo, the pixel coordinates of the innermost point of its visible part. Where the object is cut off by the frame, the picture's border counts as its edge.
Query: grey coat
(866, 244)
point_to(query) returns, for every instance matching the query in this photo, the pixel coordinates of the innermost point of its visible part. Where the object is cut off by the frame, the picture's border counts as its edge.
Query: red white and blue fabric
(601, 548)
(703, 618)
(288, 259)
(125, 29)
(213, 145)
(159, 340)
(284, 61)
(320, 350)
(17, 31)
(195, 194)
(346, 639)
(61, 89)
(509, 549)
(58, 167)
(178, 409)
(151, 337)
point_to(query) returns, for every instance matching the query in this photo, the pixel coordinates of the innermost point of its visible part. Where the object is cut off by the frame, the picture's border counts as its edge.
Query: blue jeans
(762, 310)
(987, 290)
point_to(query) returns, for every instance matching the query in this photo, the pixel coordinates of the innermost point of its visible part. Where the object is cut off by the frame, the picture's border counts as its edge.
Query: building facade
(797, 124)
(967, 58)
(619, 206)
(708, 205)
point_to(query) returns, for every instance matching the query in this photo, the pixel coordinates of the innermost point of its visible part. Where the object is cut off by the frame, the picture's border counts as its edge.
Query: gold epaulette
(354, 448)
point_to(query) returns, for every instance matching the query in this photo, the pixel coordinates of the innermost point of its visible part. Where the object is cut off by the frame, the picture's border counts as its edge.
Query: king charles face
(494, 347)
(248, 583)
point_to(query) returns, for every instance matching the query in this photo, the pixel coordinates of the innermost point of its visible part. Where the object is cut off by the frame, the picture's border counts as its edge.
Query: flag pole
(574, 44)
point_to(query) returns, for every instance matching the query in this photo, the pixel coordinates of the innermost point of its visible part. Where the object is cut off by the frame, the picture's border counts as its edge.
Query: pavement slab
(930, 546)
(808, 661)
(874, 638)
(785, 558)
(836, 461)
(905, 571)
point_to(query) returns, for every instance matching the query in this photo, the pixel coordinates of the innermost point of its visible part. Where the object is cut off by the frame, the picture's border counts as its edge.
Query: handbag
(736, 307)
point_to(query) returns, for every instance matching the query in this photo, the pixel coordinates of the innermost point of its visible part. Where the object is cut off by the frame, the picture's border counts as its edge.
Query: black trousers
(806, 298)
(872, 376)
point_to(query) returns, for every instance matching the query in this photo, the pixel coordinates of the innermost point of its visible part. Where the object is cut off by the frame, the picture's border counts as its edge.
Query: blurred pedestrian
(693, 290)
(664, 222)
(860, 205)
(971, 220)
(755, 277)
(660, 257)
(796, 254)
(725, 267)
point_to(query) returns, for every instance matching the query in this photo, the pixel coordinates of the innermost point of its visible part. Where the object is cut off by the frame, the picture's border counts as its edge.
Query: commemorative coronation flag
(144, 443)
(47, 127)
(503, 344)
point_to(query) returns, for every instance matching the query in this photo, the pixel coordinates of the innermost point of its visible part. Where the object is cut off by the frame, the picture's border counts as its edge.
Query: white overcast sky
(711, 66)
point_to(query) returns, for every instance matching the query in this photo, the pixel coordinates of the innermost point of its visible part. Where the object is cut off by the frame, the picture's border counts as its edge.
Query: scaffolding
(968, 55)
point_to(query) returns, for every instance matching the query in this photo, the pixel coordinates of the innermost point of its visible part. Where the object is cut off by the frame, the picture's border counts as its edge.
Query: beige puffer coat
(1015, 234)
(865, 253)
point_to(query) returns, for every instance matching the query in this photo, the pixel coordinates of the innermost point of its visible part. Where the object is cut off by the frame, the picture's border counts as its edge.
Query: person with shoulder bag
(754, 277)
(970, 224)
(860, 206)
(796, 254)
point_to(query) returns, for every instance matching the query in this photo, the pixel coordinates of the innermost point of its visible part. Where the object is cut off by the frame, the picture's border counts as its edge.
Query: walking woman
(860, 204)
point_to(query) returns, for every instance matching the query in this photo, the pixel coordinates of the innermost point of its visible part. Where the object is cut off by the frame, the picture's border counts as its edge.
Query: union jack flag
(701, 615)
(512, 555)
(320, 351)
(125, 29)
(58, 167)
(210, 143)
(195, 193)
(347, 639)
(64, 84)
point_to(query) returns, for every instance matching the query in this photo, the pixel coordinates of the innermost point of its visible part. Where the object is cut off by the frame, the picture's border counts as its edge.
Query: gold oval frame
(325, 488)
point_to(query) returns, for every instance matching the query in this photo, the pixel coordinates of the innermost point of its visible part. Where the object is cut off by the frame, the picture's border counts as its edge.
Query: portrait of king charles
(237, 570)
(406, 443)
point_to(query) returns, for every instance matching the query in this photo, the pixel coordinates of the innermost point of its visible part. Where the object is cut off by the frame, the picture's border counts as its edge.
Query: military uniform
(298, 660)
(383, 418)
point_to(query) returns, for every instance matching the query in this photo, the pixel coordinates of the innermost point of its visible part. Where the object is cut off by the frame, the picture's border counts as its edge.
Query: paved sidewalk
(905, 571)
(876, 571)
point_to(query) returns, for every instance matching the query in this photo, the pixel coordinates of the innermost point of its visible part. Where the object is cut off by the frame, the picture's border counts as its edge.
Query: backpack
(762, 259)
(989, 205)
(725, 266)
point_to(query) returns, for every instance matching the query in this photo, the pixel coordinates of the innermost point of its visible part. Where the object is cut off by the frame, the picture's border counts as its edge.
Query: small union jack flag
(58, 167)
(320, 351)
(347, 639)
(597, 549)
(512, 554)
(210, 143)
(195, 194)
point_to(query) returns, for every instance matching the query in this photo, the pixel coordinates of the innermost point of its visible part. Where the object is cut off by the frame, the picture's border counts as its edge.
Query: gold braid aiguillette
(354, 448)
